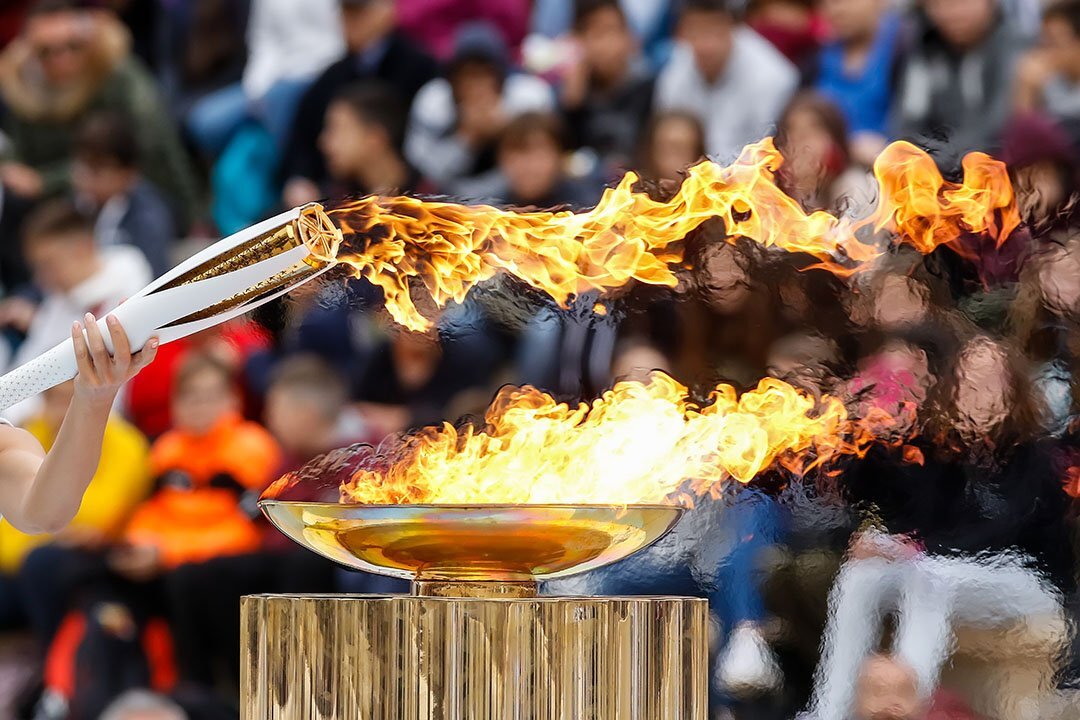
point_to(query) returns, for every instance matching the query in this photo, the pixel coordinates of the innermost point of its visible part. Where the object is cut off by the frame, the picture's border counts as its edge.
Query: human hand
(22, 179)
(101, 375)
(869, 545)
(17, 313)
(136, 562)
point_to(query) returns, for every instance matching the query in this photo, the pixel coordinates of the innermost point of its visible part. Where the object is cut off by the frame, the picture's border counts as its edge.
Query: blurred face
(809, 146)
(901, 302)
(676, 145)
(963, 23)
(297, 422)
(476, 83)
(638, 362)
(887, 690)
(1059, 280)
(852, 19)
(346, 141)
(62, 264)
(100, 181)
(709, 35)
(1061, 44)
(1040, 190)
(726, 282)
(367, 23)
(983, 392)
(532, 169)
(205, 398)
(607, 43)
(59, 42)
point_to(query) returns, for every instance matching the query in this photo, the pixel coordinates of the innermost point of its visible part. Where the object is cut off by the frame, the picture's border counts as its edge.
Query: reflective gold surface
(472, 545)
(424, 658)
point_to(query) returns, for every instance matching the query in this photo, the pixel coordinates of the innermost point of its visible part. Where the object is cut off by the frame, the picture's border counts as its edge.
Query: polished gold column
(356, 657)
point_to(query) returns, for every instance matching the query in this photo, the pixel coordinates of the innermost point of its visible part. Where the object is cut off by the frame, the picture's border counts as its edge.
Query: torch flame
(638, 443)
(404, 244)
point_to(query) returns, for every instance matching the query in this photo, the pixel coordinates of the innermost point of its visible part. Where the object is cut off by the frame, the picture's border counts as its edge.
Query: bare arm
(41, 492)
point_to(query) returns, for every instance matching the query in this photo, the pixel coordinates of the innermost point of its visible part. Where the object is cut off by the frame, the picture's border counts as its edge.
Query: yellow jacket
(121, 482)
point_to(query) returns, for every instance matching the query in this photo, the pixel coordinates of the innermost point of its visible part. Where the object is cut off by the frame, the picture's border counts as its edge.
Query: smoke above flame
(407, 246)
(638, 443)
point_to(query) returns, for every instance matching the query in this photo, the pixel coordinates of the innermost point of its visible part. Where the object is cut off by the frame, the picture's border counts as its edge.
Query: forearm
(54, 496)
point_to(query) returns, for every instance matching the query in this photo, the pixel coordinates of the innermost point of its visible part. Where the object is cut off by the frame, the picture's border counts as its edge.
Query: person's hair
(195, 364)
(585, 9)
(1066, 10)
(55, 219)
(825, 110)
(314, 379)
(706, 6)
(108, 138)
(49, 7)
(377, 104)
(646, 162)
(520, 130)
(142, 701)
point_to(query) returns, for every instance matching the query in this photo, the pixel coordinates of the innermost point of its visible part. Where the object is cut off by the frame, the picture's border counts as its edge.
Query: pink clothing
(433, 24)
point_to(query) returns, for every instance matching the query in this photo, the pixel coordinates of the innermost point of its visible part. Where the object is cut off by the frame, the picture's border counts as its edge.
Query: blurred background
(931, 579)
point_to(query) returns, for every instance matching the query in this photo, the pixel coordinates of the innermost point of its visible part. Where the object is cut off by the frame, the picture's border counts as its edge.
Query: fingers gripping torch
(227, 279)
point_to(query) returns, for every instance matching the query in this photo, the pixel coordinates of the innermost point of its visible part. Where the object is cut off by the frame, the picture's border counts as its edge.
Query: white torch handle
(47, 370)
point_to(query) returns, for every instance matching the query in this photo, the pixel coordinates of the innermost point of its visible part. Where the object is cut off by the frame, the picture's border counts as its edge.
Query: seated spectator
(650, 20)
(1048, 78)
(361, 143)
(75, 277)
(305, 405)
(289, 43)
(108, 180)
(375, 50)
(121, 481)
(456, 120)
(1043, 165)
(726, 74)
(794, 27)
(855, 70)
(817, 169)
(674, 140)
(68, 62)
(607, 94)
(434, 24)
(531, 165)
(956, 78)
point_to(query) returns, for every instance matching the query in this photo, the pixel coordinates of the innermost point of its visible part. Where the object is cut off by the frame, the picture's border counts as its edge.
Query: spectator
(1043, 166)
(794, 27)
(143, 705)
(361, 144)
(674, 140)
(107, 178)
(289, 43)
(434, 24)
(531, 154)
(75, 277)
(304, 407)
(1048, 78)
(67, 63)
(607, 94)
(817, 169)
(726, 74)
(855, 69)
(650, 20)
(374, 50)
(887, 689)
(456, 120)
(956, 79)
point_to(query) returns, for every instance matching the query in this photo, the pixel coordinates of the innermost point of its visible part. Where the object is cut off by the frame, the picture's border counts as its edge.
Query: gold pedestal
(355, 657)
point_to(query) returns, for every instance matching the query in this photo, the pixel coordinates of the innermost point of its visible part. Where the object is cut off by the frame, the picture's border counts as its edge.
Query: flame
(638, 443)
(404, 244)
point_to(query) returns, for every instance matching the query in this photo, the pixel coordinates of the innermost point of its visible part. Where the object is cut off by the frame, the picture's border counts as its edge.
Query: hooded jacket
(42, 122)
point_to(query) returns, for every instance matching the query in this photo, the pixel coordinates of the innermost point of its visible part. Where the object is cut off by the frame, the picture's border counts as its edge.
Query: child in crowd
(726, 74)
(1048, 77)
(107, 180)
(674, 140)
(531, 157)
(361, 144)
(607, 94)
(75, 277)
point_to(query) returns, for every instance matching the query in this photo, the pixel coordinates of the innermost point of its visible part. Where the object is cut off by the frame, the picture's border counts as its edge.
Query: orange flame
(638, 443)
(404, 244)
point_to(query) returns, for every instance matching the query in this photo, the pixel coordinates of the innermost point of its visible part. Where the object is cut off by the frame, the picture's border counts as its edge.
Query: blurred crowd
(934, 578)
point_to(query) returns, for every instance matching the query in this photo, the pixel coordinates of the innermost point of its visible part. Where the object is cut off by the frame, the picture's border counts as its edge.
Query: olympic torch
(229, 278)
